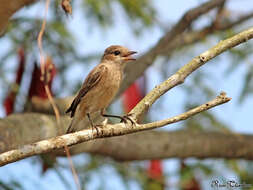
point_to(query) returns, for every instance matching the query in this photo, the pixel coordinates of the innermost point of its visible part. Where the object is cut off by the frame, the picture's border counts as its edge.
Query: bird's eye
(116, 52)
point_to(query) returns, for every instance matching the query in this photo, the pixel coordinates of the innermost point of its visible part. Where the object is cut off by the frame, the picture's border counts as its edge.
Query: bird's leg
(123, 118)
(91, 123)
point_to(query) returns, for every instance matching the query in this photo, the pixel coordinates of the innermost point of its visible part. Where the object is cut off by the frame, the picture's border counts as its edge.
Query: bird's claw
(126, 118)
(98, 129)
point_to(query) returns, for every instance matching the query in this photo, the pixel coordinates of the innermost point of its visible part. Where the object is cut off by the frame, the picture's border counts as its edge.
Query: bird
(100, 87)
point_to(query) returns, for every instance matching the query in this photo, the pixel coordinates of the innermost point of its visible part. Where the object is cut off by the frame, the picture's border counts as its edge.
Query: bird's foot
(127, 117)
(124, 118)
(98, 129)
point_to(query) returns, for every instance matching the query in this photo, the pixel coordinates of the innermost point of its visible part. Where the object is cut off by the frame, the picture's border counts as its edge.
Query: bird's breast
(113, 80)
(103, 93)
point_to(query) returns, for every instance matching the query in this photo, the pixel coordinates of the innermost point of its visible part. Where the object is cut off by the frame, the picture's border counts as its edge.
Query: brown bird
(100, 86)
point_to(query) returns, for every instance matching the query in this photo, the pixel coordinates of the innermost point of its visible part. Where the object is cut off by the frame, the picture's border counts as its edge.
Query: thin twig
(221, 99)
(39, 40)
(49, 95)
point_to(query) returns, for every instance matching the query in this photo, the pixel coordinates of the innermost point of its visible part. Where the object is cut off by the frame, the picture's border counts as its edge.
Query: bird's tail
(74, 124)
(70, 128)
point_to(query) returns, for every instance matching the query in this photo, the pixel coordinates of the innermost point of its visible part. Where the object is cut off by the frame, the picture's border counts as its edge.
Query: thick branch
(107, 131)
(179, 144)
(8, 8)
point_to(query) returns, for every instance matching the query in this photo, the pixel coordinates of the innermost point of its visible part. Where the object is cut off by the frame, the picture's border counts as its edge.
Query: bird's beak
(128, 57)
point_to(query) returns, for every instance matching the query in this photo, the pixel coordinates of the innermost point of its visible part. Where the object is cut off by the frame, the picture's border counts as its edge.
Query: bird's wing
(92, 80)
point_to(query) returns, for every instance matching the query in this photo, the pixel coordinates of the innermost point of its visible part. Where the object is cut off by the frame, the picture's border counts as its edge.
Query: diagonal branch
(186, 70)
(167, 40)
(136, 146)
(166, 47)
(107, 131)
(187, 20)
(221, 99)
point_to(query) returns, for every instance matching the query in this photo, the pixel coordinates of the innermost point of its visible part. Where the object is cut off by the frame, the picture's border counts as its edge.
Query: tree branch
(176, 144)
(137, 146)
(139, 109)
(169, 43)
(187, 20)
(106, 131)
(8, 8)
(186, 70)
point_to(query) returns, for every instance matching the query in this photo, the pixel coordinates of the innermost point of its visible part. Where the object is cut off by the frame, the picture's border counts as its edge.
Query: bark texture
(16, 131)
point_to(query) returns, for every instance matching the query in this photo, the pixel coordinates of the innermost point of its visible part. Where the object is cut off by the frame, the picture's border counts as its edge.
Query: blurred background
(75, 44)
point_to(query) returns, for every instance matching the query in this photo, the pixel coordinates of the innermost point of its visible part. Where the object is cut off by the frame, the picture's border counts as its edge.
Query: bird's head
(118, 54)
